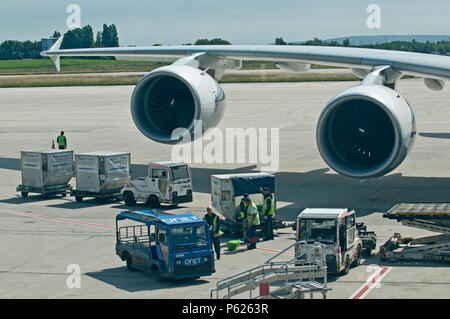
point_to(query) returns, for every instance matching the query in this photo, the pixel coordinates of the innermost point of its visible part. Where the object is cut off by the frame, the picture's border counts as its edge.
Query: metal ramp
(296, 277)
(433, 217)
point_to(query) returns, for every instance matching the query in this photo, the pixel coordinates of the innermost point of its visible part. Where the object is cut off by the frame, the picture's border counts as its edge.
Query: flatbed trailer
(45, 191)
(113, 194)
(431, 216)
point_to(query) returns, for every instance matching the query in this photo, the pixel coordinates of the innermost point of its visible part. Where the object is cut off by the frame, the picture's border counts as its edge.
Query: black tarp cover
(252, 184)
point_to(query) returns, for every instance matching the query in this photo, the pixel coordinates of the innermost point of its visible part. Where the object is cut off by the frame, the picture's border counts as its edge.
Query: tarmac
(40, 238)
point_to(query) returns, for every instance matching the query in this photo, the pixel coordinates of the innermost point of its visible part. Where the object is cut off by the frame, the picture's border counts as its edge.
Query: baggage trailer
(227, 192)
(100, 175)
(46, 172)
(430, 216)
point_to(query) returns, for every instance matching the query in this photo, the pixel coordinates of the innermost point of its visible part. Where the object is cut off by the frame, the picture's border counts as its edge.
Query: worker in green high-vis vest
(253, 221)
(61, 140)
(268, 210)
(214, 225)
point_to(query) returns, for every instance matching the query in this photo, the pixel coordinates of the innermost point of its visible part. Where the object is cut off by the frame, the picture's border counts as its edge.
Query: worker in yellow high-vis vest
(268, 211)
(61, 140)
(243, 212)
(214, 226)
(253, 221)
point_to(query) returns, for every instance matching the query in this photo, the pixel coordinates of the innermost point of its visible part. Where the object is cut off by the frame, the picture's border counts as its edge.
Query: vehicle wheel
(153, 201)
(128, 198)
(346, 266)
(357, 261)
(156, 272)
(24, 194)
(79, 199)
(129, 262)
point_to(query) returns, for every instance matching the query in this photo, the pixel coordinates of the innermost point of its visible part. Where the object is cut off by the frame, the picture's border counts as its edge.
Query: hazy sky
(144, 22)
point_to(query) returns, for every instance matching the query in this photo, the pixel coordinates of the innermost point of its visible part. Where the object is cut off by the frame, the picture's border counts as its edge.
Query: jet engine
(366, 131)
(167, 102)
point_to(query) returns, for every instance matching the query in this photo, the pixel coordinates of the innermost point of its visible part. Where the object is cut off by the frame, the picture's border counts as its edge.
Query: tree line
(84, 38)
(439, 47)
(72, 39)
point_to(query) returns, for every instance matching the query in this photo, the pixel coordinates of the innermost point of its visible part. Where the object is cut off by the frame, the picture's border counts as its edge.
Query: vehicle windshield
(179, 172)
(321, 230)
(189, 237)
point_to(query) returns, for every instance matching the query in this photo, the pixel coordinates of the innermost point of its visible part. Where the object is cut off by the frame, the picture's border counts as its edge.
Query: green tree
(78, 38)
(98, 40)
(110, 37)
(215, 41)
(280, 41)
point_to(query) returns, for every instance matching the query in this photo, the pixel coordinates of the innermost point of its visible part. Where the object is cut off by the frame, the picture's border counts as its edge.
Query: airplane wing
(289, 57)
(365, 131)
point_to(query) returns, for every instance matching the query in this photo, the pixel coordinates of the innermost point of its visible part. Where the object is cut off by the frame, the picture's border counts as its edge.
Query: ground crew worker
(62, 141)
(253, 221)
(243, 212)
(214, 226)
(267, 211)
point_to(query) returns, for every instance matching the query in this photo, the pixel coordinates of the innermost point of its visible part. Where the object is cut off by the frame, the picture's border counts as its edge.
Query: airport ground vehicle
(337, 229)
(166, 182)
(433, 217)
(227, 192)
(175, 246)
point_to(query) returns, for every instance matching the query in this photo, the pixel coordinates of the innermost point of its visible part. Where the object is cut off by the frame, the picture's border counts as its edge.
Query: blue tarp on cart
(252, 184)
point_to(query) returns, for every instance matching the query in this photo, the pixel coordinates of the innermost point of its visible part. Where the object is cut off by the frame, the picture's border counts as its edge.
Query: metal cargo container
(101, 172)
(46, 168)
(227, 191)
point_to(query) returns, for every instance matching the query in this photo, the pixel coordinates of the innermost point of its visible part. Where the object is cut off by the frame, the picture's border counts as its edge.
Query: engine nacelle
(366, 131)
(173, 97)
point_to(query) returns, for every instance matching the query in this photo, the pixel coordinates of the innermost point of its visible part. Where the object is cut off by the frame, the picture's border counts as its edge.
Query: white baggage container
(101, 172)
(46, 168)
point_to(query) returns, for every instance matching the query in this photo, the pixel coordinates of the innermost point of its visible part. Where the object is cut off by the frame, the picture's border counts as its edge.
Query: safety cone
(53, 144)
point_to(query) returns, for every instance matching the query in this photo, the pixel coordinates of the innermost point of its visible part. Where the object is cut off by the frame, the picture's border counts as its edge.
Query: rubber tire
(157, 273)
(357, 261)
(346, 267)
(24, 194)
(128, 198)
(79, 199)
(153, 201)
(129, 262)
(367, 252)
